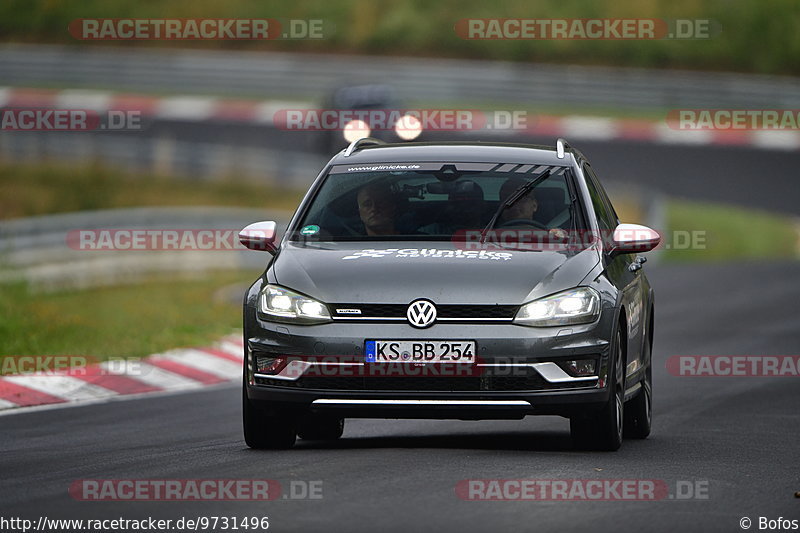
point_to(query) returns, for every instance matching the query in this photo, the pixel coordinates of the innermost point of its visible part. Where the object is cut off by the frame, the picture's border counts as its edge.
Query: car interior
(427, 206)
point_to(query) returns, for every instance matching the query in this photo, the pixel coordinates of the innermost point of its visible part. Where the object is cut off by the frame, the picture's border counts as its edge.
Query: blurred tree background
(757, 36)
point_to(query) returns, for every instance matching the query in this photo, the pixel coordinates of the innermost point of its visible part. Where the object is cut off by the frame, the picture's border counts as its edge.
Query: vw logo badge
(421, 313)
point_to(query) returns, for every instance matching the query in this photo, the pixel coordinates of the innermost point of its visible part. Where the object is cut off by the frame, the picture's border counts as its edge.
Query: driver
(377, 208)
(523, 209)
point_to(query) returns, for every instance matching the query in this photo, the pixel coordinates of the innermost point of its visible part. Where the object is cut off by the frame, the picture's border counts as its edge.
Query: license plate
(420, 351)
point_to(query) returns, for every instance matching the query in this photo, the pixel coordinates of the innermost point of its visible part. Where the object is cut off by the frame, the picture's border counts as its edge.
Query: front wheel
(266, 431)
(602, 430)
(639, 411)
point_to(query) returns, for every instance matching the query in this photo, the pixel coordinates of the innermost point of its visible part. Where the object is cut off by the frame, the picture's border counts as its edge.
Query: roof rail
(358, 143)
(561, 147)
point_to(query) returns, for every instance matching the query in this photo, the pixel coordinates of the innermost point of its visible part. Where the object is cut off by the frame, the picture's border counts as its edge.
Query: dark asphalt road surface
(737, 436)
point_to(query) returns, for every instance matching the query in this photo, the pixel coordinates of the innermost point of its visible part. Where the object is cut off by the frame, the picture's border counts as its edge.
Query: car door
(622, 270)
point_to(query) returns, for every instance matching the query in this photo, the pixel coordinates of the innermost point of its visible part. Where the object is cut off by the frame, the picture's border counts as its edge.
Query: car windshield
(433, 201)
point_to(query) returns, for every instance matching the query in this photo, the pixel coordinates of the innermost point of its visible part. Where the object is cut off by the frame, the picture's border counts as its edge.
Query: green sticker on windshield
(312, 229)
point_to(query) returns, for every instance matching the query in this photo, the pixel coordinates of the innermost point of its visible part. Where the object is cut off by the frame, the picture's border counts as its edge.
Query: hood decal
(430, 252)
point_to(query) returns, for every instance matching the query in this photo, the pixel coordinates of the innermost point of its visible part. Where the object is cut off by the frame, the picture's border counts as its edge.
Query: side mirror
(632, 238)
(259, 236)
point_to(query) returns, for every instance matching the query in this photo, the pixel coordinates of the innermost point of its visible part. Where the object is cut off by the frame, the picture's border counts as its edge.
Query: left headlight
(575, 306)
(290, 306)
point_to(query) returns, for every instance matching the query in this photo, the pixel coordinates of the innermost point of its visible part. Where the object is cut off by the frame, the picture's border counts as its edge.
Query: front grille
(476, 311)
(531, 380)
(442, 311)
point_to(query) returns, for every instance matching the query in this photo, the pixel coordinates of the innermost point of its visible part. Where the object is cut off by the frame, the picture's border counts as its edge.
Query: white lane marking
(667, 135)
(129, 368)
(65, 387)
(232, 348)
(109, 399)
(83, 99)
(578, 127)
(186, 107)
(5, 404)
(233, 339)
(776, 140)
(163, 379)
(265, 111)
(78, 392)
(204, 361)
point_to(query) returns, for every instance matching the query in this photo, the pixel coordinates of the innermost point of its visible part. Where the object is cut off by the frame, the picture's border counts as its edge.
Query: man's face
(524, 208)
(376, 207)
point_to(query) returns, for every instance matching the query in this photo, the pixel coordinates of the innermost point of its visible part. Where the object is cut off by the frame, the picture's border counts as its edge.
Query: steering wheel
(522, 222)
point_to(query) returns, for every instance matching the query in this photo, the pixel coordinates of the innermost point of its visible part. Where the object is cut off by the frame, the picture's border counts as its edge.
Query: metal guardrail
(167, 156)
(271, 74)
(36, 249)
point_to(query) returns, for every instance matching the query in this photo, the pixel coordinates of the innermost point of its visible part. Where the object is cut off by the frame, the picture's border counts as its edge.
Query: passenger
(523, 209)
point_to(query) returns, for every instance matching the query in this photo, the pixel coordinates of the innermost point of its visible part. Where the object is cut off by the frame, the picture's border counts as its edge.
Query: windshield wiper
(511, 200)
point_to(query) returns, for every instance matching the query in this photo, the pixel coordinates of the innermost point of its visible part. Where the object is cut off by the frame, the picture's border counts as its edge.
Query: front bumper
(518, 371)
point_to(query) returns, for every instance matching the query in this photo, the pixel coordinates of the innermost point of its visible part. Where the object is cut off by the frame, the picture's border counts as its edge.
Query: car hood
(400, 272)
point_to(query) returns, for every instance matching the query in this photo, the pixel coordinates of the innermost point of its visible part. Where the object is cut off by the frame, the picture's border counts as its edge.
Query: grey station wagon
(450, 280)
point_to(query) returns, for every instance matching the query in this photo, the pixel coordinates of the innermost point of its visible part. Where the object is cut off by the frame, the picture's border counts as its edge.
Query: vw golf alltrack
(450, 280)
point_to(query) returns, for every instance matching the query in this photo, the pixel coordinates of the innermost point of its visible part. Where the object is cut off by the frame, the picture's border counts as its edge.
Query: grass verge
(713, 232)
(30, 190)
(125, 321)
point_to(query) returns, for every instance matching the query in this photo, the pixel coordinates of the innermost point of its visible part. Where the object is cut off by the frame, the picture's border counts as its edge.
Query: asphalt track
(736, 436)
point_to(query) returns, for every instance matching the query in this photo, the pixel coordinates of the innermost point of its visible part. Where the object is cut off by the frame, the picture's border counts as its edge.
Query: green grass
(756, 36)
(728, 233)
(27, 190)
(126, 321)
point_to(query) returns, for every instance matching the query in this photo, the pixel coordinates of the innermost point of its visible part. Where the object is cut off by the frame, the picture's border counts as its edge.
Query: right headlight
(575, 306)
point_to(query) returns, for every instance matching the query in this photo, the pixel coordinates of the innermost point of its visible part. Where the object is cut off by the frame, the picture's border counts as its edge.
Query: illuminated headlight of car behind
(408, 127)
(356, 129)
(575, 306)
(289, 306)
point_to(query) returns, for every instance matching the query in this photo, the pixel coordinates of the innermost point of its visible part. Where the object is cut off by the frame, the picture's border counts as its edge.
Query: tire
(273, 432)
(603, 429)
(639, 411)
(320, 427)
